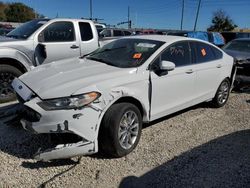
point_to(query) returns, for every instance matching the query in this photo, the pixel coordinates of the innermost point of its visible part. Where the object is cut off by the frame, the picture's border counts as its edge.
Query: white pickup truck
(42, 41)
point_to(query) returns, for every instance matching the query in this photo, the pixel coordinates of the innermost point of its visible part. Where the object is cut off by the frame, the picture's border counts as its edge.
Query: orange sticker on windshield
(137, 56)
(203, 52)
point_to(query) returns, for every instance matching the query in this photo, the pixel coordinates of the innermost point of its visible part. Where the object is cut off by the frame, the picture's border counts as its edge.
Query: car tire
(222, 94)
(7, 75)
(120, 130)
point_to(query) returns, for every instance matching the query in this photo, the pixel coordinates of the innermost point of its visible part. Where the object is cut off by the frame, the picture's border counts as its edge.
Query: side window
(178, 53)
(59, 32)
(86, 31)
(204, 53)
(105, 33)
(218, 54)
(127, 33)
(118, 33)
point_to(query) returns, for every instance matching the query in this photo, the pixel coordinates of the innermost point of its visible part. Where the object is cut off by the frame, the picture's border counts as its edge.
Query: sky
(159, 14)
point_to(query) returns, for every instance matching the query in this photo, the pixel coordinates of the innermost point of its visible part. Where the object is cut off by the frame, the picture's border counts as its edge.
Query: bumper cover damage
(83, 123)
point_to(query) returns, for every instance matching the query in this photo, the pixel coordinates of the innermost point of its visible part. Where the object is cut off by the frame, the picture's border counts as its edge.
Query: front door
(174, 90)
(60, 42)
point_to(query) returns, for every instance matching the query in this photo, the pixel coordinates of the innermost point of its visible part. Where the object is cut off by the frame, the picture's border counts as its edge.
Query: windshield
(125, 53)
(240, 45)
(27, 29)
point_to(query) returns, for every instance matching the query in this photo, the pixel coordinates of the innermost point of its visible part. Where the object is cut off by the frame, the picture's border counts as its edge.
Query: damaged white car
(105, 98)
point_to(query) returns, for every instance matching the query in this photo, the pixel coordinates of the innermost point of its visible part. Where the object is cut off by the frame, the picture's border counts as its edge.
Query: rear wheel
(120, 130)
(222, 94)
(7, 75)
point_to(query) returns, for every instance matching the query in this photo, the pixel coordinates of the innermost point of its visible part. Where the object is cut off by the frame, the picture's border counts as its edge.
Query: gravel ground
(199, 147)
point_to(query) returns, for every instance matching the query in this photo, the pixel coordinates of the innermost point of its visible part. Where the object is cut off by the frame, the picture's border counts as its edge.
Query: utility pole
(182, 14)
(129, 21)
(197, 14)
(90, 6)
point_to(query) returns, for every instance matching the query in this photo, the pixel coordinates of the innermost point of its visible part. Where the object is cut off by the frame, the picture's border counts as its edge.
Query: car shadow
(223, 162)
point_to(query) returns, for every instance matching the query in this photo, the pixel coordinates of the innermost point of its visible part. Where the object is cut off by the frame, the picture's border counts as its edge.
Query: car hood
(7, 39)
(64, 78)
(238, 55)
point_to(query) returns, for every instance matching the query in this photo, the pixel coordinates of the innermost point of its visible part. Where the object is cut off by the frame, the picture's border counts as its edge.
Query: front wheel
(222, 94)
(120, 130)
(7, 75)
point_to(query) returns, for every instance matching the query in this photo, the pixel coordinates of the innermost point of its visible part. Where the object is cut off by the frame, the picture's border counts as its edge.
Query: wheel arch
(124, 99)
(13, 62)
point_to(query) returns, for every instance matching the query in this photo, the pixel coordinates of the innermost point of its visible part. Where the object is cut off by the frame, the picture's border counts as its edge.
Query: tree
(2, 9)
(19, 12)
(221, 22)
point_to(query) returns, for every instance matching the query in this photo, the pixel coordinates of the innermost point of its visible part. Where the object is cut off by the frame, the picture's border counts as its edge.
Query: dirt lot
(199, 147)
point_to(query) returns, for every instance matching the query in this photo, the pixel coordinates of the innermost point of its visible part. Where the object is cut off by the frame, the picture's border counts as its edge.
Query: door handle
(219, 66)
(189, 71)
(74, 46)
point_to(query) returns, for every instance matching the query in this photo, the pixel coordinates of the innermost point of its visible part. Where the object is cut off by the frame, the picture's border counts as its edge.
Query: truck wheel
(7, 75)
(222, 94)
(120, 130)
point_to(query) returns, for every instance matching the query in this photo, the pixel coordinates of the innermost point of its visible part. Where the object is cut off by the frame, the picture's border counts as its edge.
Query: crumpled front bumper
(81, 122)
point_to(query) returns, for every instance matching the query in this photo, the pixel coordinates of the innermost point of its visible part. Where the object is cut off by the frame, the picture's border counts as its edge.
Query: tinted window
(105, 33)
(178, 53)
(127, 33)
(126, 53)
(218, 54)
(238, 45)
(86, 31)
(27, 29)
(59, 32)
(118, 33)
(204, 52)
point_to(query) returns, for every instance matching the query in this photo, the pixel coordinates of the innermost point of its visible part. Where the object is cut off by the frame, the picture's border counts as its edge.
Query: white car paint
(179, 89)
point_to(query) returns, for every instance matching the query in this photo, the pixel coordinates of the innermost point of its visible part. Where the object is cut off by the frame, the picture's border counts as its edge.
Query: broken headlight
(72, 102)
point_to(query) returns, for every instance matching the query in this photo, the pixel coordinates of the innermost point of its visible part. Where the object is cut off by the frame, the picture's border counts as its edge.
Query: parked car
(105, 97)
(42, 41)
(213, 37)
(229, 36)
(115, 32)
(5, 31)
(240, 50)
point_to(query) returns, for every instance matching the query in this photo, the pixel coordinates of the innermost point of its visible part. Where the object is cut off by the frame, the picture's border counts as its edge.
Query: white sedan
(105, 98)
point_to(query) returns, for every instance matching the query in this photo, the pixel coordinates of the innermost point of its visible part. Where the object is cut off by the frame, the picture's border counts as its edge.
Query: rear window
(240, 45)
(86, 31)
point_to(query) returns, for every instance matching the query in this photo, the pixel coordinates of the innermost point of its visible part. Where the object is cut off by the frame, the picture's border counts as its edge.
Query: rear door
(60, 41)
(173, 90)
(208, 68)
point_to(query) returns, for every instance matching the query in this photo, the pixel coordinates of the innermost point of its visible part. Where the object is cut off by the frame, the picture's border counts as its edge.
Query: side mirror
(167, 66)
(41, 37)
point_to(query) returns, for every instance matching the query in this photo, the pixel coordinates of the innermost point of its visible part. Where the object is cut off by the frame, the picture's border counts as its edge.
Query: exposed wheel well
(14, 63)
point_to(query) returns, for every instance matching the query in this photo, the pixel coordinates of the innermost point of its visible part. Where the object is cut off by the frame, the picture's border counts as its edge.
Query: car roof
(166, 38)
(242, 39)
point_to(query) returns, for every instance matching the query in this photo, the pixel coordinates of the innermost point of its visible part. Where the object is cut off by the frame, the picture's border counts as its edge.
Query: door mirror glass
(41, 37)
(167, 66)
